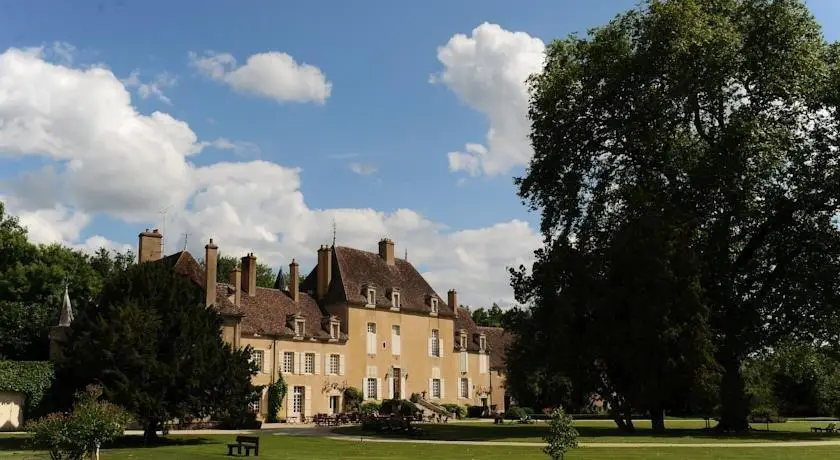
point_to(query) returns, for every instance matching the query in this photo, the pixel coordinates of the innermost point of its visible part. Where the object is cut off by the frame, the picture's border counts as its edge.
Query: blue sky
(382, 113)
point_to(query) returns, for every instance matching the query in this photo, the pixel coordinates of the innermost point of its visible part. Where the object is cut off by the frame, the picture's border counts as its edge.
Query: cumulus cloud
(154, 87)
(487, 70)
(272, 75)
(105, 158)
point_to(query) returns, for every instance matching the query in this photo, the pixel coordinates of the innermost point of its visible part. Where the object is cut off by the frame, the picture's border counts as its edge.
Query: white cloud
(363, 169)
(487, 71)
(154, 87)
(104, 157)
(239, 148)
(272, 75)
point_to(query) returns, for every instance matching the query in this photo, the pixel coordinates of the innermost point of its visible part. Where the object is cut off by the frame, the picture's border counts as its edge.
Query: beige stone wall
(315, 379)
(478, 379)
(11, 411)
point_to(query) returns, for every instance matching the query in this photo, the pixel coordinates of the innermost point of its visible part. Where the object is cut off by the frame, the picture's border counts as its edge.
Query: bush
(32, 378)
(276, 392)
(352, 399)
(415, 398)
(561, 436)
(475, 411)
(515, 413)
(458, 410)
(399, 406)
(370, 408)
(91, 424)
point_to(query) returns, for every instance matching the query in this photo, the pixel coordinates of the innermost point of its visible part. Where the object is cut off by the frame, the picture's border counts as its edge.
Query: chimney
(386, 250)
(150, 247)
(210, 260)
(294, 280)
(249, 274)
(235, 279)
(452, 299)
(324, 272)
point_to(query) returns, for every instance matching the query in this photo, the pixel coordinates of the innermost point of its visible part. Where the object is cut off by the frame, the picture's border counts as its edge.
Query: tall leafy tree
(720, 118)
(156, 350)
(266, 276)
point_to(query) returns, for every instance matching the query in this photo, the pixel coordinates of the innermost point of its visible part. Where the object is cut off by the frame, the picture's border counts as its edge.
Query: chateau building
(363, 319)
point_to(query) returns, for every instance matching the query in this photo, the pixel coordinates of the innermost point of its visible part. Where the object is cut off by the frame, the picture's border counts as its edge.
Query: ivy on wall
(32, 378)
(276, 393)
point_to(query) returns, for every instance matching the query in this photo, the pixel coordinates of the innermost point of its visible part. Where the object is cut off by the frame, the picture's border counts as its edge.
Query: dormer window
(335, 330)
(370, 296)
(395, 298)
(463, 340)
(299, 327)
(482, 343)
(434, 304)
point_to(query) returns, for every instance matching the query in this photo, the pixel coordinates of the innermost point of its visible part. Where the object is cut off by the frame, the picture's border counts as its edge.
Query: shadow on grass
(534, 433)
(21, 442)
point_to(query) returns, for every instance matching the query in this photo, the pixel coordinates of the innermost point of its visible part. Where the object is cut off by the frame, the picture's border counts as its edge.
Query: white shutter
(469, 389)
(431, 394)
(403, 387)
(318, 363)
(307, 401)
(287, 403)
(378, 388)
(430, 347)
(390, 387)
(441, 348)
(365, 389)
(441, 389)
(264, 361)
(340, 364)
(298, 363)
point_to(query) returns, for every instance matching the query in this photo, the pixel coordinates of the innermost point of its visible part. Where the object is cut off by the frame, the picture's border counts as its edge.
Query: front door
(397, 383)
(333, 405)
(297, 402)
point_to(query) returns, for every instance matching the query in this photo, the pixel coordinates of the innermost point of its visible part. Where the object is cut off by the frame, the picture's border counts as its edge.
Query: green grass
(678, 431)
(294, 447)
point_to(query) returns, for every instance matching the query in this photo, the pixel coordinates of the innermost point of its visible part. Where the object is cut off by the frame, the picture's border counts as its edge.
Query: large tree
(718, 117)
(225, 264)
(156, 350)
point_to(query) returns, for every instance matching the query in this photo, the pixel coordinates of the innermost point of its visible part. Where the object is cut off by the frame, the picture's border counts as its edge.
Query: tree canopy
(685, 167)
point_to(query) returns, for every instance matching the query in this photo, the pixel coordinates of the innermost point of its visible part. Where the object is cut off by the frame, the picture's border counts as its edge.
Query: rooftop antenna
(186, 235)
(163, 212)
(334, 230)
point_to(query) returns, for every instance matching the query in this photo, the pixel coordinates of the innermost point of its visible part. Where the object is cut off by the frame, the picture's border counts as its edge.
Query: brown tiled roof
(184, 263)
(463, 320)
(498, 340)
(353, 268)
(268, 312)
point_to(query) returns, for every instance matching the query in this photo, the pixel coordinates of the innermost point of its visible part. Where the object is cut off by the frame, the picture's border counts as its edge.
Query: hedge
(32, 378)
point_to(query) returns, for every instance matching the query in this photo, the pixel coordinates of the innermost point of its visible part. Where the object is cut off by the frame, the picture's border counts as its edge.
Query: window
(299, 328)
(334, 364)
(334, 330)
(396, 342)
(371, 297)
(309, 363)
(482, 343)
(436, 388)
(297, 400)
(371, 388)
(482, 364)
(463, 340)
(395, 299)
(289, 362)
(435, 343)
(255, 405)
(434, 306)
(465, 388)
(371, 338)
(258, 358)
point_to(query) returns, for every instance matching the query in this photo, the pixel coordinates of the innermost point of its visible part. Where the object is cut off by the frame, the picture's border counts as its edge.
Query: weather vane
(334, 230)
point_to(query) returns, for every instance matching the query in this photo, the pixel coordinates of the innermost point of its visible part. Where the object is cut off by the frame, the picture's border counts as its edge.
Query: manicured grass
(294, 447)
(678, 431)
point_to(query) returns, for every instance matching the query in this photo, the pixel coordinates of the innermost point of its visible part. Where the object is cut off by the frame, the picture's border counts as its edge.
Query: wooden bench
(248, 442)
(831, 428)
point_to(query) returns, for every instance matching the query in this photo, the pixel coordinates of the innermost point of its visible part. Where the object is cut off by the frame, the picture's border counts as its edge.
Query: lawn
(298, 447)
(593, 431)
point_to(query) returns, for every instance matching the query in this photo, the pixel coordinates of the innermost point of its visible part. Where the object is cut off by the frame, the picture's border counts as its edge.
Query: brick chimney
(249, 274)
(294, 280)
(452, 299)
(150, 247)
(386, 250)
(210, 259)
(235, 279)
(324, 271)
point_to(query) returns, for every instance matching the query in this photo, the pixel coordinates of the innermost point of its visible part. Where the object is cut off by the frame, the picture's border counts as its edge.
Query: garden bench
(248, 442)
(831, 428)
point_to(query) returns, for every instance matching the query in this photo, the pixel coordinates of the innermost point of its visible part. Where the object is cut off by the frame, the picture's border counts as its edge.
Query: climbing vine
(32, 378)
(276, 392)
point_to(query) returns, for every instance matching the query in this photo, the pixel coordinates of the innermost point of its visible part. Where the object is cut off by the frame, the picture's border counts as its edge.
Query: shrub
(515, 413)
(458, 410)
(475, 411)
(352, 399)
(399, 406)
(91, 424)
(561, 436)
(415, 398)
(370, 408)
(276, 392)
(32, 378)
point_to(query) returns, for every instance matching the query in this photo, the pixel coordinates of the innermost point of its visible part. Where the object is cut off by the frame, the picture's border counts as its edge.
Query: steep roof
(498, 341)
(184, 263)
(353, 268)
(463, 320)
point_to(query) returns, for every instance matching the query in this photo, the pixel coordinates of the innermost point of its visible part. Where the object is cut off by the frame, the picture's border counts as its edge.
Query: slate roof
(498, 340)
(463, 320)
(353, 268)
(184, 263)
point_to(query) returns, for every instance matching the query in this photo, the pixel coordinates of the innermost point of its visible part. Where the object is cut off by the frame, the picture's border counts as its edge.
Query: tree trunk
(621, 416)
(733, 397)
(657, 420)
(150, 433)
